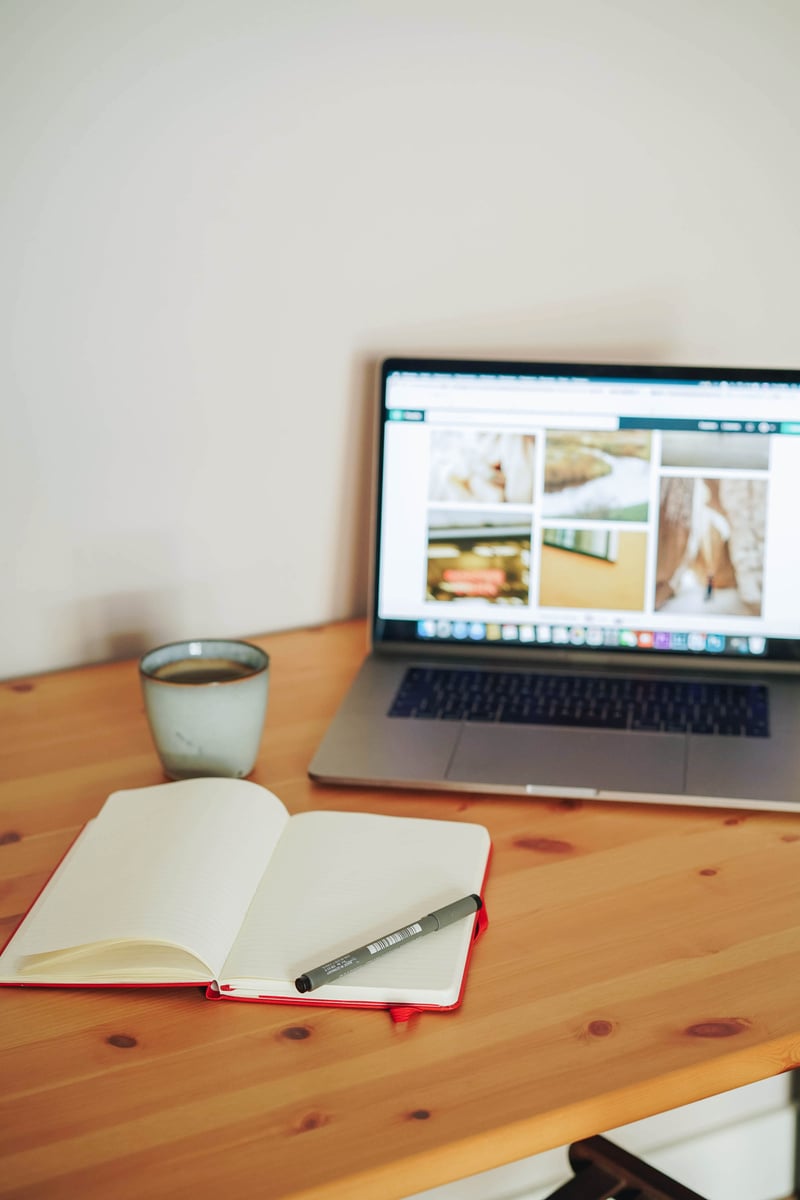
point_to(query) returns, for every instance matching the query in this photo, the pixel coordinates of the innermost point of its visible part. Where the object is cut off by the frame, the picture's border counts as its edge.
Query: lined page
(339, 880)
(176, 863)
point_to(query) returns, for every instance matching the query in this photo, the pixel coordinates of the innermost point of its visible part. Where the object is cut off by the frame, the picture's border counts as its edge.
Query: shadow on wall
(123, 625)
(350, 590)
(636, 326)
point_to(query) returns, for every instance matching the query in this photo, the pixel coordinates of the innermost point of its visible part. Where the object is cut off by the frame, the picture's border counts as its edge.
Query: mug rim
(185, 644)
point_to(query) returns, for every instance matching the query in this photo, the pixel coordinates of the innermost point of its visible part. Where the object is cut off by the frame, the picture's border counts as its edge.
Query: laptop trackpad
(570, 758)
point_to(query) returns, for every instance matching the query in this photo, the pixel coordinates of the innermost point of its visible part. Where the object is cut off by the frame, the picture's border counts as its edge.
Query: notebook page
(339, 880)
(178, 863)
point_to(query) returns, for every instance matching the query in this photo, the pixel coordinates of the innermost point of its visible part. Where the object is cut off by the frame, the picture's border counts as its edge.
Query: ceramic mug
(206, 701)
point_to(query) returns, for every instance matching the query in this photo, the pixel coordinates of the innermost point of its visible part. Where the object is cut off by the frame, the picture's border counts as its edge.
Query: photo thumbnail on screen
(478, 556)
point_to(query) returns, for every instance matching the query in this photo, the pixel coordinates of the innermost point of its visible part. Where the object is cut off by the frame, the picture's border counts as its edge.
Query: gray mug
(206, 701)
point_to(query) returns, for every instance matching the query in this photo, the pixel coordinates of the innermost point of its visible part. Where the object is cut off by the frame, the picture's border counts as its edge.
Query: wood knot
(790, 837)
(419, 1114)
(733, 821)
(122, 1041)
(720, 1028)
(311, 1121)
(600, 1028)
(10, 836)
(296, 1033)
(544, 845)
(566, 804)
(22, 687)
(708, 871)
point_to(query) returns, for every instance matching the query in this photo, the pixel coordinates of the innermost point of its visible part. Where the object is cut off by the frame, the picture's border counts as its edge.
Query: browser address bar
(494, 420)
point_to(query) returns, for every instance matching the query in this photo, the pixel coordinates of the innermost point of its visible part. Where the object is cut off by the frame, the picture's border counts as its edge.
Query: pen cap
(457, 910)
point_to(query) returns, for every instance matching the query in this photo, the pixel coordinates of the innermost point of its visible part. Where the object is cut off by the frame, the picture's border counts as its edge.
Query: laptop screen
(616, 508)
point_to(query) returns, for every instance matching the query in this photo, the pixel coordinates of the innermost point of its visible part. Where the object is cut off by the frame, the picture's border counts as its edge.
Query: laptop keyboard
(587, 701)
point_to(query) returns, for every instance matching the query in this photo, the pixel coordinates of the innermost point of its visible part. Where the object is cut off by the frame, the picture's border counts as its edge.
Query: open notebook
(210, 881)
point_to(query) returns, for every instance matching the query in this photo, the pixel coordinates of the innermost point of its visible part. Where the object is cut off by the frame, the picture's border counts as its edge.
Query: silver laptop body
(585, 584)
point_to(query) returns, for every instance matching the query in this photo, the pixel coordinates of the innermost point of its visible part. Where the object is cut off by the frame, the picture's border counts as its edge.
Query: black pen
(438, 919)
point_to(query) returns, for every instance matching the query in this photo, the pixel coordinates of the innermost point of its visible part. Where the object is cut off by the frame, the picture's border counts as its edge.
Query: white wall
(216, 215)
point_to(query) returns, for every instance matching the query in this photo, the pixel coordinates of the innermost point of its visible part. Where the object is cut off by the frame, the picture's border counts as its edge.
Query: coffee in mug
(203, 670)
(206, 701)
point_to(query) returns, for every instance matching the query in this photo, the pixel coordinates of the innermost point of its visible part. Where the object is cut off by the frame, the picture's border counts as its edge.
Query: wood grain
(637, 958)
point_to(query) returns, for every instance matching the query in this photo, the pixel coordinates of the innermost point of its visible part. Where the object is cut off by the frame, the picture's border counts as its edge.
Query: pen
(437, 919)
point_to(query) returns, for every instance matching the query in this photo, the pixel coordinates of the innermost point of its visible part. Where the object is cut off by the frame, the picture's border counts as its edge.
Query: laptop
(585, 584)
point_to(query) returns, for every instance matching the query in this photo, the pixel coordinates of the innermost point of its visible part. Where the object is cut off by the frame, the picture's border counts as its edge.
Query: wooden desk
(637, 958)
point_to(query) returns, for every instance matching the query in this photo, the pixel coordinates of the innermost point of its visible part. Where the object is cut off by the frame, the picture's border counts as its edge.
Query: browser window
(625, 512)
